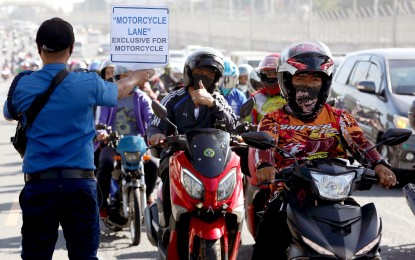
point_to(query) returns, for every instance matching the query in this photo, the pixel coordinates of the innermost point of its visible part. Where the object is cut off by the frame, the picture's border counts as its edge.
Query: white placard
(139, 36)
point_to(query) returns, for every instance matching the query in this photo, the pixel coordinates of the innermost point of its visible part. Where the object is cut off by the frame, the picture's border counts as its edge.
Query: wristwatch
(383, 162)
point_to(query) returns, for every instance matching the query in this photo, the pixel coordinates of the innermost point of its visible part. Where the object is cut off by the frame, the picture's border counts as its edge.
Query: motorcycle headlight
(369, 246)
(319, 249)
(193, 186)
(132, 157)
(227, 185)
(333, 187)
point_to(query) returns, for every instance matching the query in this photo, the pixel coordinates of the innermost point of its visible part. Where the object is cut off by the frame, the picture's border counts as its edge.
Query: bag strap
(41, 100)
(16, 79)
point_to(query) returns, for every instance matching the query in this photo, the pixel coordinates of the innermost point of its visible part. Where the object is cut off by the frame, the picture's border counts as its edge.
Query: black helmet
(203, 57)
(308, 56)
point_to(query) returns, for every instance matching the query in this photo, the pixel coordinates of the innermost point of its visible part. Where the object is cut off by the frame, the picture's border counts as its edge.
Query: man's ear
(71, 49)
(38, 49)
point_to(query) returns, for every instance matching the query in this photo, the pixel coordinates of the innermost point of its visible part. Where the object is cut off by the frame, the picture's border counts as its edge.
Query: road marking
(14, 214)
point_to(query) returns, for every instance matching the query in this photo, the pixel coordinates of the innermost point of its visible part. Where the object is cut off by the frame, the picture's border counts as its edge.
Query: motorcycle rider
(227, 86)
(243, 83)
(196, 105)
(267, 99)
(176, 76)
(107, 70)
(309, 128)
(94, 66)
(254, 80)
(131, 116)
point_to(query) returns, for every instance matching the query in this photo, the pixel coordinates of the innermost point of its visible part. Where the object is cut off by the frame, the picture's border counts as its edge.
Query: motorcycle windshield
(131, 143)
(208, 150)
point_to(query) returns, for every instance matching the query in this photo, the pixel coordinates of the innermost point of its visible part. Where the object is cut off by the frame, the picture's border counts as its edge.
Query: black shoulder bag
(19, 140)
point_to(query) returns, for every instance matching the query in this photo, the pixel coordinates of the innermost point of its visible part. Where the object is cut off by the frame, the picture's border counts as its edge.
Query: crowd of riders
(288, 88)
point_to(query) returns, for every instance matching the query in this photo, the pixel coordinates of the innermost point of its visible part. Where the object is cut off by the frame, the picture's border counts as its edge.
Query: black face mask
(207, 82)
(110, 80)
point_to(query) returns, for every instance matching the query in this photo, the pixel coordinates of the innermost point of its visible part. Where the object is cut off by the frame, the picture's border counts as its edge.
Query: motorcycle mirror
(392, 137)
(411, 115)
(395, 136)
(246, 108)
(159, 110)
(260, 140)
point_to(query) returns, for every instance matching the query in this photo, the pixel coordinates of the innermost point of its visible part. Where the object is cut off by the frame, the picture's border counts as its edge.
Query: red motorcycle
(255, 196)
(206, 193)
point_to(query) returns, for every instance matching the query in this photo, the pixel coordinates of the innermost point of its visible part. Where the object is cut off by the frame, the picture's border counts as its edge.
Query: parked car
(378, 88)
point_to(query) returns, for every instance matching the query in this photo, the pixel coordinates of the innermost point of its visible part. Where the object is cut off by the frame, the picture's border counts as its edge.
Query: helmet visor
(269, 76)
(307, 62)
(228, 82)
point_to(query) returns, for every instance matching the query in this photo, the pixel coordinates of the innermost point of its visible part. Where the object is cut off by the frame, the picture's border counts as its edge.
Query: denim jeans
(71, 203)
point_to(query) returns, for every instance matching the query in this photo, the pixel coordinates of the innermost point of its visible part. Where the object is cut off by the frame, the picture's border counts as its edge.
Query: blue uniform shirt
(61, 135)
(236, 99)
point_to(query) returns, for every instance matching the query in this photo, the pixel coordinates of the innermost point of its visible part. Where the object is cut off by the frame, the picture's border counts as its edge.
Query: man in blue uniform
(60, 188)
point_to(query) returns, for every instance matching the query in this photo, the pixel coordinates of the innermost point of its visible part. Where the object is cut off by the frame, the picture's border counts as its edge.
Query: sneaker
(116, 220)
(111, 225)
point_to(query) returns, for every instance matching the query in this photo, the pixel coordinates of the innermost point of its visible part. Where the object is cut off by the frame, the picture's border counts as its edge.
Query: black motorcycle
(327, 225)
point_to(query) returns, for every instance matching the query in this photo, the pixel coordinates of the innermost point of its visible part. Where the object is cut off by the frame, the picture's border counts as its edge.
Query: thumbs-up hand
(201, 96)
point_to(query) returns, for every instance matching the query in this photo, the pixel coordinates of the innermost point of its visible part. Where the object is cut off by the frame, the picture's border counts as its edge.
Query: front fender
(208, 231)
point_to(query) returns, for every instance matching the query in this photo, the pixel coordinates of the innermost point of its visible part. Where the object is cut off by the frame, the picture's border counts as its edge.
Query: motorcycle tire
(210, 249)
(134, 215)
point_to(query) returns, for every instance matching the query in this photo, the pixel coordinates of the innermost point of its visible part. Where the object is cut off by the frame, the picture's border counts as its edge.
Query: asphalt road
(398, 241)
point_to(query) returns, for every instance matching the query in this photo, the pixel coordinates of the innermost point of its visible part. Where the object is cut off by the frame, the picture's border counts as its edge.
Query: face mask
(110, 80)
(306, 97)
(225, 91)
(207, 82)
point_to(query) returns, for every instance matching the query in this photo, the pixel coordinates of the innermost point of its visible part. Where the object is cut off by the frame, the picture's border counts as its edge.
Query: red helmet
(268, 73)
(305, 57)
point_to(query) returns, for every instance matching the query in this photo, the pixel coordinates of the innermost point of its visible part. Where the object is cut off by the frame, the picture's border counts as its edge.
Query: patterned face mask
(306, 97)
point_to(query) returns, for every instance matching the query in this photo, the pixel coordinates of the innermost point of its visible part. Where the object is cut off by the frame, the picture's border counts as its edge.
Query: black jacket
(180, 111)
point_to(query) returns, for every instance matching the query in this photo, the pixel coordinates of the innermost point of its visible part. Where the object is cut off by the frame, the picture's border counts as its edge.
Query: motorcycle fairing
(341, 229)
(209, 150)
(131, 144)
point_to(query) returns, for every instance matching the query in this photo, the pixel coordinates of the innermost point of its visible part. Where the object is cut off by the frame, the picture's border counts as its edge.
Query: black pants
(273, 236)
(106, 166)
(164, 176)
